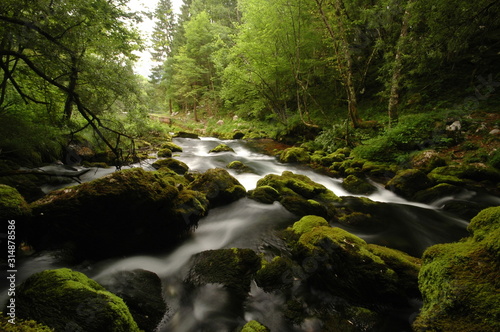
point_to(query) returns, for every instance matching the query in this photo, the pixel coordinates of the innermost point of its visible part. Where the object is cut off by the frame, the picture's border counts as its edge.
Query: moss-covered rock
(273, 275)
(346, 266)
(21, 325)
(307, 223)
(171, 146)
(183, 134)
(464, 174)
(439, 191)
(239, 167)
(141, 291)
(407, 182)
(233, 268)
(358, 186)
(294, 155)
(459, 281)
(254, 326)
(124, 212)
(221, 148)
(165, 153)
(427, 160)
(12, 204)
(219, 187)
(175, 165)
(297, 193)
(67, 300)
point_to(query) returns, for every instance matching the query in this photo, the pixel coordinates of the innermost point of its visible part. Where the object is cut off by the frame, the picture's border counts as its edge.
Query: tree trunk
(397, 69)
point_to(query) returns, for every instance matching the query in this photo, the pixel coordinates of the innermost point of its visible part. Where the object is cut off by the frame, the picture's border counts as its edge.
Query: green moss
(294, 155)
(459, 281)
(219, 187)
(299, 194)
(12, 204)
(175, 165)
(307, 223)
(273, 275)
(171, 146)
(407, 182)
(22, 325)
(64, 298)
(165, 153)
(264, 194)
(457, 174)
(439, 191)
(221, 148)
(254, 326)
(239, 167)
(358, 186)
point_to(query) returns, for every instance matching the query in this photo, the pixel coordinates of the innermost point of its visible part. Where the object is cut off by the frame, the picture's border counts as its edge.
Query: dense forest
(67, 68)
(288, 165)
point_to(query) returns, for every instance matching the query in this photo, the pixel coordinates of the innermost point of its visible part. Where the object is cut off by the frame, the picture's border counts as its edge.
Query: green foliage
(22, 325)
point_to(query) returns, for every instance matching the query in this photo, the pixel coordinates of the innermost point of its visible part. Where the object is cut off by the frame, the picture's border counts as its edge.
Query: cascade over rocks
(67, 300)
(124, 212)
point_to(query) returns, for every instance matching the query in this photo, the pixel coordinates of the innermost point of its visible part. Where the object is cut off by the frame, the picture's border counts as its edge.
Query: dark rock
(183, 134)
(221, 148)
(122, 213)
(358, 186)
(407, 182)
(12, 204)
(69, 301)
(141, 291)
(427, 160)
(219, 187)
(165, 153)
(437, 192)
(238, 135)
(239, 167)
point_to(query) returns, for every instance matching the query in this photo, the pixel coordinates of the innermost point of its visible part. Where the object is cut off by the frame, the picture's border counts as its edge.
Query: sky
(144, 64)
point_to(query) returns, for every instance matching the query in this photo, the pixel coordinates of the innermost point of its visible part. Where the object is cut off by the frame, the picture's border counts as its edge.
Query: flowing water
(411, 227)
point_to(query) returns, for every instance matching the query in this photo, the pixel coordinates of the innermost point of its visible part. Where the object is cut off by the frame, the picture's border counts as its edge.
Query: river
(249, 224)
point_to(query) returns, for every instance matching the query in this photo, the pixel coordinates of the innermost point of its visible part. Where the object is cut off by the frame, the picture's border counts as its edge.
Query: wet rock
(463, 208)
(221, 148)
(175, 165)
(437, 192)
(69, 301)
(298, 194)
(232, 268)
(459, 281)
(238, 135)
(165, 153)
(12, 204)
(344, 265)
(240, 167)
(219, 187)
(121, 213)
(183, 134)
(407, 182)
(141, 291)
(358, 186)
(171, 146)
(294, 155)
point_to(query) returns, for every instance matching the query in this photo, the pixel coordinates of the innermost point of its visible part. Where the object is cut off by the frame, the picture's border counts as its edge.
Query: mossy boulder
(171, 146)
(297, 193)
(294, 155)
(22, 325)
(221, 148)
(233, 268)
(68, 300)
(165, 153)
(346, 266)
(175, 165)
(407, 182)
(184, 134)
(439, 191)
(427, 160)
(272, 275)
(219, 187)
(254, 326)
(141, 291)
(121, 213)
(12, 204)
(465, 209)
(239, 167)
(358, 186)
(459, 281)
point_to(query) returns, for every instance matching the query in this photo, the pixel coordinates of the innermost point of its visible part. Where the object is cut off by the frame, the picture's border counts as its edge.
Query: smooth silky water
(412, 227)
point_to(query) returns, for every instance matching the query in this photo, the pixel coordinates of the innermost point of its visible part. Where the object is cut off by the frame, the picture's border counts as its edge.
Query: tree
(162, 37)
